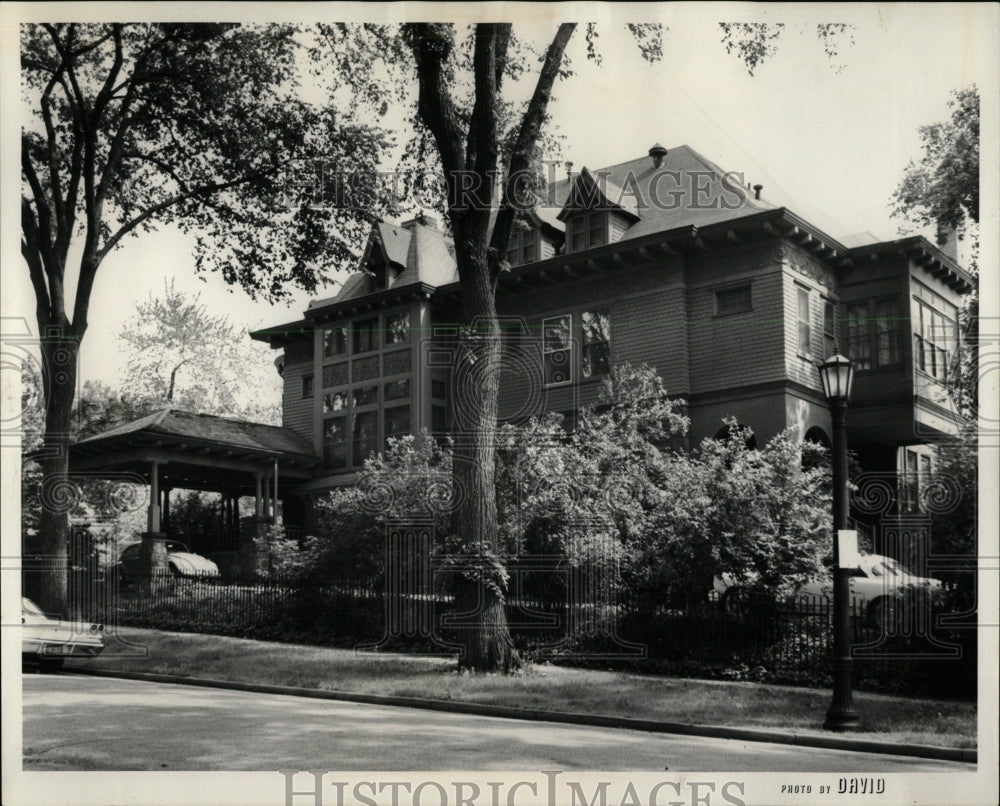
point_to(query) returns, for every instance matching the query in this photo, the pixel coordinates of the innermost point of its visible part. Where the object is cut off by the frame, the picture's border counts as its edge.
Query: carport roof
(197, 451)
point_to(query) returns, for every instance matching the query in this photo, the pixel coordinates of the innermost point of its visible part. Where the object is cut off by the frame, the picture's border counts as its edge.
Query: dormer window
(586, 230)
(523, 246)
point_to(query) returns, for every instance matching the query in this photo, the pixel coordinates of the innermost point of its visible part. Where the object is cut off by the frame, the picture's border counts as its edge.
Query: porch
(177, 450)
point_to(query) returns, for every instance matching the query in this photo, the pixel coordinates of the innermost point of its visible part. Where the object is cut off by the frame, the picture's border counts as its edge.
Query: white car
(48, 642)
(180, 561)
(878, 590)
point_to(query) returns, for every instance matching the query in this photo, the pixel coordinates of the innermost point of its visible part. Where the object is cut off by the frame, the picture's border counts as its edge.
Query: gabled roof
(395, 241)
(423, 254)
(593, 193)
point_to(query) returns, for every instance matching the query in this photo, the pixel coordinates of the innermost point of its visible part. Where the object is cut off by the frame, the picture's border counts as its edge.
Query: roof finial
(657, 152)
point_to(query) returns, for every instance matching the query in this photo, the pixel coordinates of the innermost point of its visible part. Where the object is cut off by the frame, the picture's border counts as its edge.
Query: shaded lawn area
(540, 687)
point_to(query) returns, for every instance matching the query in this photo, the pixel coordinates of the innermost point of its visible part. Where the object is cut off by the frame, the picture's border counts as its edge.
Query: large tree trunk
(472, 151)
(487, 644)
(45, 583)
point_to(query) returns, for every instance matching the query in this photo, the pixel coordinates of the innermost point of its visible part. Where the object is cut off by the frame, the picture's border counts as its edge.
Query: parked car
(48, 642)
(180, 561)
(879, 590)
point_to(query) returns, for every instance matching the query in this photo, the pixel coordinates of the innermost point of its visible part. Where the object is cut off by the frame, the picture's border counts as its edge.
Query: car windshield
(174, 546)
(28, 606)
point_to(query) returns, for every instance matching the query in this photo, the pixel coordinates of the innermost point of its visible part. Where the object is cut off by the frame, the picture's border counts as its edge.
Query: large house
(664, 260)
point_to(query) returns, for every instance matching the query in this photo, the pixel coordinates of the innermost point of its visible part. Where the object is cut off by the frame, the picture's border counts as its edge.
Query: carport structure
(172, 449)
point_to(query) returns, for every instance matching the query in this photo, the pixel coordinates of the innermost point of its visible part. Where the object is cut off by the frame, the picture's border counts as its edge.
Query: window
(596, 341)
(596, 229)
(365, 395)
(397, 329)
(523, 246)
(736, 299)
(364, 429)
(557, 349)
(873, 333)
(396, 422)
(586, 230)
(887, 333)
(916, 474)
(829, 330)
(439, 420)
(335, 443)
(439, 390)
(397, 390)
(307, 386)
(859, 346)
(365, 335)
(933, 338)
(335, 342)
(334, 401)
(805, 329)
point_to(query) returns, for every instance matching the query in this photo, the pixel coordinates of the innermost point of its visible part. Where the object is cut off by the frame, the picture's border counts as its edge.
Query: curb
(625, 723)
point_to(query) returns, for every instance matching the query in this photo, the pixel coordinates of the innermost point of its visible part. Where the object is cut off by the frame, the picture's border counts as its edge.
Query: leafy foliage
(752, 42)
(728, 508)
(612, 492)
(955, 532)
(942, 188)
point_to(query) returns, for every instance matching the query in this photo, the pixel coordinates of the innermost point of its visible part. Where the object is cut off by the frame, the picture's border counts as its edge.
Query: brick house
(664, 260)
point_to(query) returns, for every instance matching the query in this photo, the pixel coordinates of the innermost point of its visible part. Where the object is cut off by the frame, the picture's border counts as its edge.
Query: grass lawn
(541, 687)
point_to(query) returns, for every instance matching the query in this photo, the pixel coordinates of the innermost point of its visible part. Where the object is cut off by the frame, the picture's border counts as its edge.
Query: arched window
(816, 436)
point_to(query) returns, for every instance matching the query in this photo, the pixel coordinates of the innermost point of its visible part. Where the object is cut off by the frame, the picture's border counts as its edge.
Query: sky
(828, 139)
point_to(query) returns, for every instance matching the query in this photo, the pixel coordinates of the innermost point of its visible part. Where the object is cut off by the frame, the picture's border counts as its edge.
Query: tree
(941, 190)
(184, 356)
(139, 125)
(485, 147)
(759, 515)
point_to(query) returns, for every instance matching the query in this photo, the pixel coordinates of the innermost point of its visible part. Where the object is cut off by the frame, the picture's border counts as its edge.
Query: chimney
(569, 169)
(657, 152)
(756, 191)
(420, 218)
(947, 238)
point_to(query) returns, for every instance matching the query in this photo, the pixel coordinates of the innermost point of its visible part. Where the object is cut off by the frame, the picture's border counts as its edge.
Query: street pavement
(93, 723)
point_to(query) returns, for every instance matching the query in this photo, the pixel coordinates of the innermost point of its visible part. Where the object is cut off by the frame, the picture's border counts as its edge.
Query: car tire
(883, 613)
(50, 664)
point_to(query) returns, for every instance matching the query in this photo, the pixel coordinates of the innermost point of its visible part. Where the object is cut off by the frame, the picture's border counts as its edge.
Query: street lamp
(837, 375)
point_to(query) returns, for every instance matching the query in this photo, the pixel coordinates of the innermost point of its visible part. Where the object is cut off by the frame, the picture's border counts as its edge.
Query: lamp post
(837, 375)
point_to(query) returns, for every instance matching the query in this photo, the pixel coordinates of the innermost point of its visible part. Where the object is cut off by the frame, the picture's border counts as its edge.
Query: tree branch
(30, 251)
(432, 45)
(180, 197)
(527, 137)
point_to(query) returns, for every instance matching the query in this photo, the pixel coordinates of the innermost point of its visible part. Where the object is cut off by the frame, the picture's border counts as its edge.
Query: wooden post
(258, 508)
(154, 497)
(275, 490)
(166, 509)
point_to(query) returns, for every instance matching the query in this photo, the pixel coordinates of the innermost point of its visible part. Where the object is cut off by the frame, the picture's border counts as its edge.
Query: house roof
(208, 428)
(684, 194)
(423, 253)
(686, 189)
